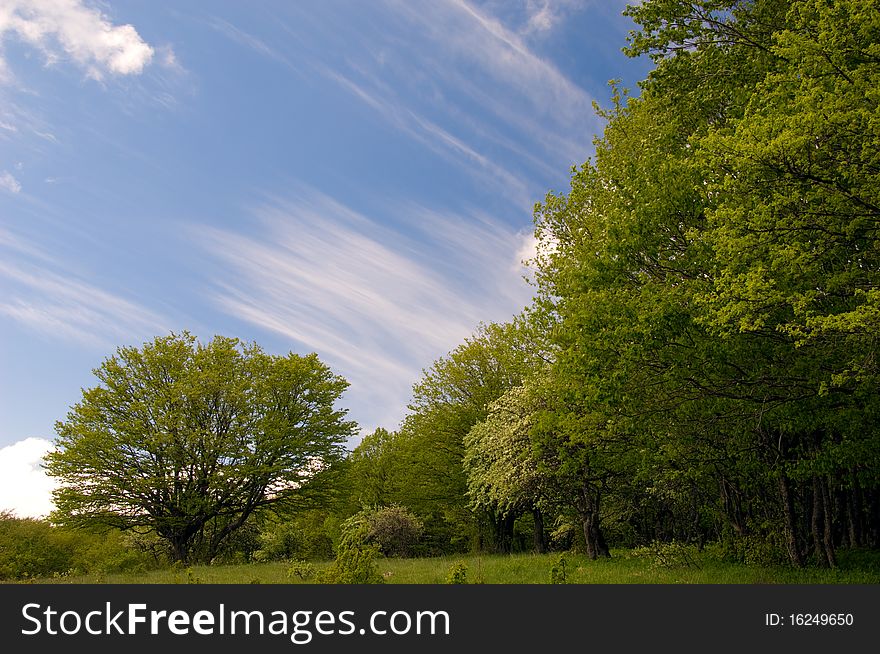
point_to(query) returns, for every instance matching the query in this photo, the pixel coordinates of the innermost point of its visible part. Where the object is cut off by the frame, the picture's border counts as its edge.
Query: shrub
(672, 554)
(32, 548)
(755, 550)
(457, 573)
(306, 535)
(279, 542)
(395, 530)
(557, 570)
(302, 569)
(106, 553)
(355, 558)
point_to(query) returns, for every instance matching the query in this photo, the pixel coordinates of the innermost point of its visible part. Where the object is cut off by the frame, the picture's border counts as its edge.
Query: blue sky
(346, 177)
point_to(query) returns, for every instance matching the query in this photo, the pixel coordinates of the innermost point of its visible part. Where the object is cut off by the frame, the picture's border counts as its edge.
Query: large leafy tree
(795, 187)
(452, 396)
(502, 472)
(714, 269)
(375, 469)
(190, 440)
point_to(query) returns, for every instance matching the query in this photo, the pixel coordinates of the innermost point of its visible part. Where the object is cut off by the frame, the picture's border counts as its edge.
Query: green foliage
(303, 570)
(355, 561)
(712, 274)
(457, 573)
(502, 472)
(191, 440)
(671, 554)
(395, 530)
(766, 549)
(453, 395)
(306, 535)
(32, 548)
(375, 469)
(557, 570)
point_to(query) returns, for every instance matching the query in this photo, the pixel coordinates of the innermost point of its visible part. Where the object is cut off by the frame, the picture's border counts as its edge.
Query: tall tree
(190, 440)
(713, 268)
(452, 396)
(374, 469)
(502, 472)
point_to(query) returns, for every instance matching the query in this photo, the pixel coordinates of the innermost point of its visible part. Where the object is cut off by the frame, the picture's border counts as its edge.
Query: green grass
(622, 568)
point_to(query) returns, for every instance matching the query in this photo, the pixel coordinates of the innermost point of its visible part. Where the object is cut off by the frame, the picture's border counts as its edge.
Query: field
(625, 567)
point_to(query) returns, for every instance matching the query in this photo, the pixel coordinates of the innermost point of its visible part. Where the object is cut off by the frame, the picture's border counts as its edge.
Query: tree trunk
(540, 542)
(816, 522)
(794, 553)
(593, 537)
(827, 533)
(854, 515)
(873, 518)
(504, 532)
(730, 500)
(821, 526)
(179, 549)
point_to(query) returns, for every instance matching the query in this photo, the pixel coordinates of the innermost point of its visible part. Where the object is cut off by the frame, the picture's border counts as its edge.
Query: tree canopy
(190, 440)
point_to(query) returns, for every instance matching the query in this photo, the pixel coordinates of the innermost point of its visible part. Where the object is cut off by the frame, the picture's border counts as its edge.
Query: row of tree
(699, 362)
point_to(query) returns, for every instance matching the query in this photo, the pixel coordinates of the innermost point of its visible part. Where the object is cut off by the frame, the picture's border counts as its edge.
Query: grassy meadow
(624, 567)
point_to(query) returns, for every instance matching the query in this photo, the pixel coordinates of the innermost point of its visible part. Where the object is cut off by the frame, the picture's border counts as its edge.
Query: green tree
(712, 272)
(190, 440)
(374, 469)
(452, 396)
(502, 472)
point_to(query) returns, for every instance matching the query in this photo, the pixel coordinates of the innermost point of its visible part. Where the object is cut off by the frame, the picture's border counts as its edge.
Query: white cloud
(375, 303)
(60, 305)
(483, 40)
(25, 488)
(71, 29)
(9, 183)
(435, 138)
(248, 40)
(505, 77)
(542, 17)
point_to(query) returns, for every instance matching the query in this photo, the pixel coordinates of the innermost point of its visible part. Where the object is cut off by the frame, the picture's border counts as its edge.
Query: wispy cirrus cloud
(38, 293)
(480, 80)
(537, 18)
(461, 30)
(9, 183)
(70, 29)
(377, 303)
(248, 40)
(436, 138)
(449, 75)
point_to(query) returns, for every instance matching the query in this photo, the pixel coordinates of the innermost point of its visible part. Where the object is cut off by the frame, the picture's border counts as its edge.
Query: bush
(557, 570)
(279, 542)
(755, 550)
(302, 569)
(32, 548)
(457, 573)
(394, 530)
(355, 558)
(306, 535)
(107, 553)
(672, 554)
